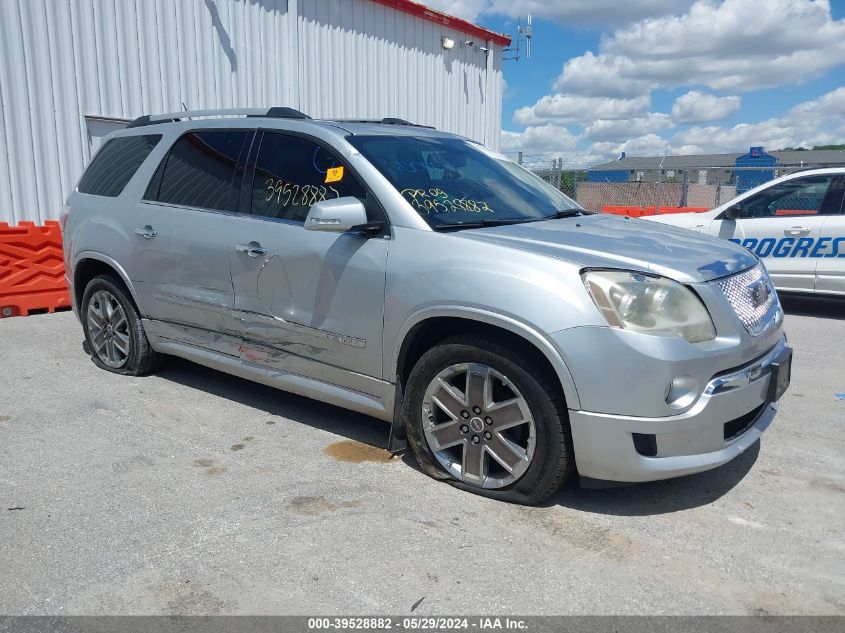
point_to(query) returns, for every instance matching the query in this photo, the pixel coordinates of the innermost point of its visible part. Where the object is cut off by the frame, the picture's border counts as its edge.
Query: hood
(605, 241)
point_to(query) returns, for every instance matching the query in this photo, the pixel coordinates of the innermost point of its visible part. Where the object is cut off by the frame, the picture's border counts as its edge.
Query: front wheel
(489, 419)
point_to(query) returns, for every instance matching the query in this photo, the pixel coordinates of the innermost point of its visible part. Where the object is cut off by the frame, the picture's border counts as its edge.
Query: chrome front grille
(753, 298)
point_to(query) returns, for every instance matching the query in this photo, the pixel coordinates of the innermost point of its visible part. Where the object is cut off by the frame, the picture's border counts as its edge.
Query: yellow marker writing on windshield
(334, 174)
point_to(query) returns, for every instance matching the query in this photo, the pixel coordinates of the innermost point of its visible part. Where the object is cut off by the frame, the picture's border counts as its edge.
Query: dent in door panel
(274, 288)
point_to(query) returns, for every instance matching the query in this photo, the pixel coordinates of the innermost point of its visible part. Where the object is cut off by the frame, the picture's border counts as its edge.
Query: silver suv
(510, 337)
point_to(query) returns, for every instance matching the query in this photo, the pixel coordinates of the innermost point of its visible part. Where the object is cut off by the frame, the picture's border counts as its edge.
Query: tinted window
(200, 170)
(293, 173)
(813, 195)
(115, 164)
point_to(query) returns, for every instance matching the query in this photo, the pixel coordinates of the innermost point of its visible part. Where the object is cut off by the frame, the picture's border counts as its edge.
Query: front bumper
(730, 415)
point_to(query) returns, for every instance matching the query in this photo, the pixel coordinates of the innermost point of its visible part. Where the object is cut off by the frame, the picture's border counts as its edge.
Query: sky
(655, 77)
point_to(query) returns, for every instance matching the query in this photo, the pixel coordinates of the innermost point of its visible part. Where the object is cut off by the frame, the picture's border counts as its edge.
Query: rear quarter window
(115, 164)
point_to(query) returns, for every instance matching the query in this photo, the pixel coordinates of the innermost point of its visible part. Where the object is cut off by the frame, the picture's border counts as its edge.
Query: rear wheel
(114, 335)
(489, 419)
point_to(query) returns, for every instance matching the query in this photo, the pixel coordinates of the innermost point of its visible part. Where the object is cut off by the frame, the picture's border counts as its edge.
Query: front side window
(200, 169)
(294, 173)
(451, 181)
(115, 164)
(814, 195)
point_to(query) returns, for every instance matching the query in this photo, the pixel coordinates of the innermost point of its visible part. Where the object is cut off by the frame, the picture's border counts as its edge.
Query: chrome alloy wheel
(108, 329)
(478, 425)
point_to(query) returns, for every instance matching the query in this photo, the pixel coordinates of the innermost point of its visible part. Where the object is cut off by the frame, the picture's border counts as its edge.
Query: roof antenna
(185, 109)
(523, 36)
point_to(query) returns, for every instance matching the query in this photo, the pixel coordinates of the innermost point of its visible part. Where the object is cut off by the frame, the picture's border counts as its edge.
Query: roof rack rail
(278, 112)
(385, 121)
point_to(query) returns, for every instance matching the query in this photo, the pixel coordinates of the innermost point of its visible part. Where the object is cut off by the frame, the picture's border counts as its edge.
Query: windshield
(451, 182)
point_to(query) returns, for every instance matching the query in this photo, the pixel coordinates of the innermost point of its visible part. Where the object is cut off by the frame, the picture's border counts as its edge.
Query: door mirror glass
(733, 212)
(338, 215)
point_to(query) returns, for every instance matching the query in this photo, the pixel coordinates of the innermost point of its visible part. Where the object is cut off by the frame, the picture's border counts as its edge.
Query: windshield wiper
(564, 213)
(482, 223)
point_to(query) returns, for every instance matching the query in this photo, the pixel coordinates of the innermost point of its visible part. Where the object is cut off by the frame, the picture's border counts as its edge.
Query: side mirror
(338, 215)
(733, 212)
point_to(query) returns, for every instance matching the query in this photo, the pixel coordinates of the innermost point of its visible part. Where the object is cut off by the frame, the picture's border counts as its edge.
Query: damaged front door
(309, 303)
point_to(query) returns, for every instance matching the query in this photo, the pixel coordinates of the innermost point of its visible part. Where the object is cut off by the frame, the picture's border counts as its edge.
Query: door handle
(147, 232)
(796, 230)
(253, 249)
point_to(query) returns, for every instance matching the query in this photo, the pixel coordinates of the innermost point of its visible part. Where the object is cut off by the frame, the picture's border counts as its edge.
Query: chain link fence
(647, 188)
(658, 190)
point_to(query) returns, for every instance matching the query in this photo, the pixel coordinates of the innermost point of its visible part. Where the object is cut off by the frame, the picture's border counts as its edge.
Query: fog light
(681, 392)
(645, 444)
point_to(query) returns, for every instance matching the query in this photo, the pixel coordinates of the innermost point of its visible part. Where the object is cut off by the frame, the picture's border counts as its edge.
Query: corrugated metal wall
(64, 60)
(363, 59)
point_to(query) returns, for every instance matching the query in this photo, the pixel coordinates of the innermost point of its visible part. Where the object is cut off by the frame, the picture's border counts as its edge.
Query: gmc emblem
(760, 292)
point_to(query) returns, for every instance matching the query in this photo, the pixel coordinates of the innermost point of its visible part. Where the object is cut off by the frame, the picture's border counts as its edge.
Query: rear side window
(294, 173)
(115, 164)
(199, 171)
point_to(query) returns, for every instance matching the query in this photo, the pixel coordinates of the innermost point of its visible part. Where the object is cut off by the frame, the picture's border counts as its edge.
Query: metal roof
(810, 156)
(701, 161)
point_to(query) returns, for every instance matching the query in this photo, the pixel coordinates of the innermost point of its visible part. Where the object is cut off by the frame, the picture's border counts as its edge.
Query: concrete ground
(193, 492)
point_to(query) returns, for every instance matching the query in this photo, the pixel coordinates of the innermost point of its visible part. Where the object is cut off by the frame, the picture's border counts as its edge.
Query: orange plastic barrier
(638, 212)
(31, 269)
(634, 212)
(796, 212)
(664, 210)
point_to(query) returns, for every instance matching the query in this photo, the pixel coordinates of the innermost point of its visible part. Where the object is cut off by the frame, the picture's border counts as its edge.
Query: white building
(75, 70)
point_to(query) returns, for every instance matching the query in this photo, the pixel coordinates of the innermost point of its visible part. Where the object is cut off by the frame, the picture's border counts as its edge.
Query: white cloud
(648, 145)
(600, 103)
(576, 109)
(736, 45)
(602, 76)
(569, 12)
(645, 145)
(816, 122)
(543, 144)
(542, 139)
(622, 129)
(466, 9)
(829, 106)
(698, 107)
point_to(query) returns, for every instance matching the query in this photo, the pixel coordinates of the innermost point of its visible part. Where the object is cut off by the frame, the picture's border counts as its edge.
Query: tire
(120, 345)
(513, 381)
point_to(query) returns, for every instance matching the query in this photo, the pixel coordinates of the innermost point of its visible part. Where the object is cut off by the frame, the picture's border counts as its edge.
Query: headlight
(646, 303)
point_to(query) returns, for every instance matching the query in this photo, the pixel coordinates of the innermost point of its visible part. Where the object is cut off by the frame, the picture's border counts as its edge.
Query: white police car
(795, 223)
